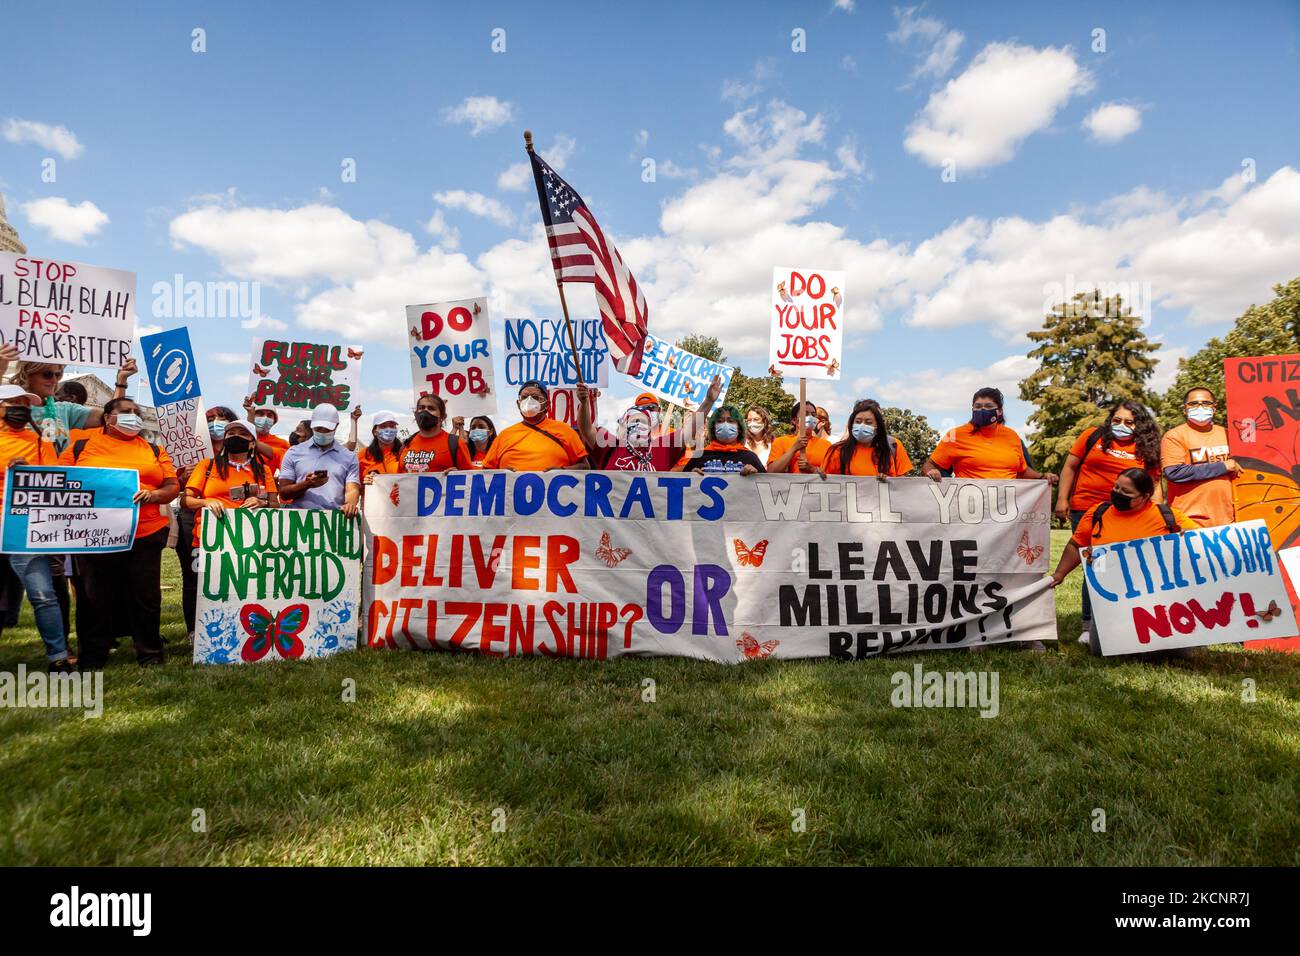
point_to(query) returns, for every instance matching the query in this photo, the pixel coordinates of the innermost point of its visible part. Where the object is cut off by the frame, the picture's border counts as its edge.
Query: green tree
(1092, 353)
(767, 391)
(1271, 329)
(915, 433)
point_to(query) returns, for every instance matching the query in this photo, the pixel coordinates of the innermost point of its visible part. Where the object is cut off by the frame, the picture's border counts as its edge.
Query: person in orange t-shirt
(126, 581)
(272, 447)
(796, 453)
(430, 449)
(982, 448)
(868, 450)
(538, 443)
(21, 444)
(482, 433)
(725, 453)
(1197, 464)
(383, 455)
(239, 477)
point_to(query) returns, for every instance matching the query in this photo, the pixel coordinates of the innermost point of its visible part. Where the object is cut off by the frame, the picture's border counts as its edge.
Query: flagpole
(559, 286)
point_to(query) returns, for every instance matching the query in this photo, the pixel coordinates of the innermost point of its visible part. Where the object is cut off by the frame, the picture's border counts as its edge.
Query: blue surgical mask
(1122, 431)
(263, 423)
(323, 440)
(1201, 415)
(478, 435)
(864, 433)
(982, 417)
(810, 422)
(387, 435)
(217, 428)
(727, 431)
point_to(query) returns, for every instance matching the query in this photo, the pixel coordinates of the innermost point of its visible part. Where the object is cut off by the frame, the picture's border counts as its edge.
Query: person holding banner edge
(642, 442)
(803, 452)
(868, 450)
(539, 442)
(21, 444)
(131, 579)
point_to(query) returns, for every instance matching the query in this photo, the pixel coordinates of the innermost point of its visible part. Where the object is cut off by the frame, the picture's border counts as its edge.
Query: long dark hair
(492, 432)
(1146, 434)
(880, 449)
(376, 450)
(112, 405)
(254, 457)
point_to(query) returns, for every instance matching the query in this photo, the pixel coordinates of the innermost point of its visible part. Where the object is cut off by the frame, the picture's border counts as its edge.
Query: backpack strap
(154, 448)
(1097, 516)
(1091, 442)
(78, 447)
(453, 446)
(543, 431)
(1167, 513)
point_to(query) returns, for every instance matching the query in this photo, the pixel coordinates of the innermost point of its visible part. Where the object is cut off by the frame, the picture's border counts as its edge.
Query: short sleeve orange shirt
(1101, 466)
(24, 443)
(521, 448)
(863, 461)
(278, 447)
(389, 466)
(206, 482)
(103, 450)
(991, 452)
(422, 454)
(815, 452)
(1119, 525)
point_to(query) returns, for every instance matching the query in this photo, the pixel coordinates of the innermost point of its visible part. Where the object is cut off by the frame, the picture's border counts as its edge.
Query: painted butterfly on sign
(749, 557)
(395, 496)
(1030, 555)
(280, 631)
(753, 650)
(611, 555)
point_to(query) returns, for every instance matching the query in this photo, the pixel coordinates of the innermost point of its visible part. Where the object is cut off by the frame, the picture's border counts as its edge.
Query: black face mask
(18, 414)
(426, 420)
(983, 417)
(1121, 502)
(238, 445)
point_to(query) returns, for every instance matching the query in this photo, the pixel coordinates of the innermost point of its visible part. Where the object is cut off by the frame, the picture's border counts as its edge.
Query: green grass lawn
(712, 772)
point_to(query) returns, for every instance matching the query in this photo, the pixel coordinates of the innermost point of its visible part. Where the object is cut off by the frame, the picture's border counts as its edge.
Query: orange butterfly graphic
(830, 369)
(1025, 551)
(258, 370)
(355, 353)
(415, 333)
(395, 496)
(753, 650)
(1269, 612)
(477, 310)
(1263, 490)
(749, 557)
(609, 554)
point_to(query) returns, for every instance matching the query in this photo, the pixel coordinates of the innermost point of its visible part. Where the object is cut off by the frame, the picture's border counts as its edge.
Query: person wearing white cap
(383, 455)
(21, 444)
(321, 473)
(239, 477)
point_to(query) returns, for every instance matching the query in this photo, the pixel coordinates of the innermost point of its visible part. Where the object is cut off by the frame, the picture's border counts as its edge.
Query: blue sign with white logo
(169, 360)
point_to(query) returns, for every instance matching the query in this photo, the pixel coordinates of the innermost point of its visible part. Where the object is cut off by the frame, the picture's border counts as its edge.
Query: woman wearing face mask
(383, 454)
(219, 418)
(539, 442)
(1130, 512)
(57, 419)
(432, 448)
(271, 447)
(642, 441)
(868, 450)
(129, 580)
(238, 477)
(301, 432)
(758, 431)
(21, 444)
(823, 429)
(795, 453)
(725, 453)
(1129, 439)
(982, 448)
(1197, 463)
(482, 433)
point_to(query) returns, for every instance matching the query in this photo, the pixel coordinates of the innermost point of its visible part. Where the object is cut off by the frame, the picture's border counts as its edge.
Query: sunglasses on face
(49, 374)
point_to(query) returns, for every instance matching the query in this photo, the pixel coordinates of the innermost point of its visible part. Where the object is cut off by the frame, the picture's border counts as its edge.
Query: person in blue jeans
(37, 574)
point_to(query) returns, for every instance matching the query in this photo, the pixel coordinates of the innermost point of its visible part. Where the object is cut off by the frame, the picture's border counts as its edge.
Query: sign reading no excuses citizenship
(301, 375)
(66, 313)
(169, 360)
(57, 509)
(807, 323)
(451, 354)
(539, 349)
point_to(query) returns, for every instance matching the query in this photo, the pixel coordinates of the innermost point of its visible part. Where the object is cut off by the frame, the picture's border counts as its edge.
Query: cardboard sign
(539, 349)
(183, 432)
(451, 355)
(277, 584)
(66, 313)
(807, 323)
(603, 564)
(53, 509)
(1208, 586)
(680, 377)
(169, 362)
(302, 375)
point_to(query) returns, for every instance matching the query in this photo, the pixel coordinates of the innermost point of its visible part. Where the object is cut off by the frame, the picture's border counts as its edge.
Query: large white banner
(1207, 586)
(597, 564)
(66, 313)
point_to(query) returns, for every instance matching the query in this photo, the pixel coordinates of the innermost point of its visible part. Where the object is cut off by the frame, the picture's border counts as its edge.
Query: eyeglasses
(1200, 404)
(49, 373)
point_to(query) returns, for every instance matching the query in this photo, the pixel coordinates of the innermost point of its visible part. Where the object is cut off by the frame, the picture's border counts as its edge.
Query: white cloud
(60, 139)
(739, 90)
(846, 5)
(848, 64)
(1111, 122)
(264, 323)
(476, 204)
(229, 358)
(939, 44)
(64, 221)
(670, 170)
(480, 113)
(1167, 366)
(1007, 93)
(447, 236)
(143, 330)
(515, 178)
(519, 177)
(642, 137)
(847, 154)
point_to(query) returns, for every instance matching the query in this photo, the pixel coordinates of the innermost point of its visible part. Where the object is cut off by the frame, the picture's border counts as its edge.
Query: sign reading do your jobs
(451, 354)
(807, 323)
(55, 510)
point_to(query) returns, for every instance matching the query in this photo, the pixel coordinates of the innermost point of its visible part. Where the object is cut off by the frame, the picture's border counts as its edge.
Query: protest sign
(451, 355)
(301, 375)
(539, 349)
(52, 509)
(564, 406)
(807, 323)
(680, 377)
(183, 431)
(1263, 396)
(169, 362)
(603, 564)
(66, 313)
(1206, 586)
(277, 584)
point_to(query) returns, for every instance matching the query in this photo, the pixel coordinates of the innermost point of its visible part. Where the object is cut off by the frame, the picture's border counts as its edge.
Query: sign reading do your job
(451, 354)
(807, 323)
(66, 313)
(55, 510)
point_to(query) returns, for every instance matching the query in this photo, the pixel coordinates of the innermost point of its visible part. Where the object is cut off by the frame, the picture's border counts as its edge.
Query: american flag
(580, 252)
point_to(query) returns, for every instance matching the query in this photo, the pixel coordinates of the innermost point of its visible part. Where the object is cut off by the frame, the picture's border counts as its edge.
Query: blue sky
(1169, 162)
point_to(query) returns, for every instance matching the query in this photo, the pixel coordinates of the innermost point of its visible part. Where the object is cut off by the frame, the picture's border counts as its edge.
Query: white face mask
(126, 422)
(529, 407)
(1201, 415)
(755, 428)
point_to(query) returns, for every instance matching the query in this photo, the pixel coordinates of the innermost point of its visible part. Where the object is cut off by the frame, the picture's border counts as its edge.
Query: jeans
(1075, 518)
(37, 575)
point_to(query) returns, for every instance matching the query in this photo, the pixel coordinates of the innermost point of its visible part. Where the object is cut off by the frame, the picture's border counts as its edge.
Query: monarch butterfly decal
(1030, 555)
(749, 557)
(753, 650)
(609, 554)
(1264, 490)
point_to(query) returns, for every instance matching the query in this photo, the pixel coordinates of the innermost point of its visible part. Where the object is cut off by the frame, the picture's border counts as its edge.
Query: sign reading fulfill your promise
(807, 323)
(287, 374)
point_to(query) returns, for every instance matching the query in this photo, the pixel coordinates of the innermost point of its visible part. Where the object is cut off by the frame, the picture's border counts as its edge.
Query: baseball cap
(383, 416)
(646, 398)
(325, 415)
(241, 426)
